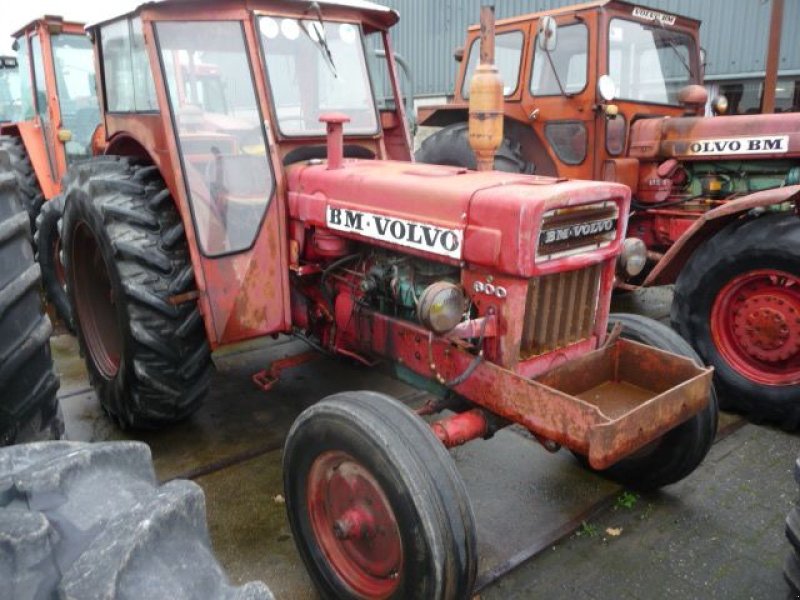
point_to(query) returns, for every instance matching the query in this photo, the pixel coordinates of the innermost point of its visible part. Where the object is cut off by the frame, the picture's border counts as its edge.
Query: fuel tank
(519, 224)
(703, 138)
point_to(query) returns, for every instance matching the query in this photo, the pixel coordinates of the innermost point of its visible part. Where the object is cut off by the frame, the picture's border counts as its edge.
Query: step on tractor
(52, 126)
(250, 187)
(612, 92)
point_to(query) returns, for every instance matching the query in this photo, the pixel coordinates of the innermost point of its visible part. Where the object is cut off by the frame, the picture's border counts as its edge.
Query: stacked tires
(88, 521)
(28, 385)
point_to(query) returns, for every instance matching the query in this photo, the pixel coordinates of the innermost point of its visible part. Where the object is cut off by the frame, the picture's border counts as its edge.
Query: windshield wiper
(671, 43)
(320, 40)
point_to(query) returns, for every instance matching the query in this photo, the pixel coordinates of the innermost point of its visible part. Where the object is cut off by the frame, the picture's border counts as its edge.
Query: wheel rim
(354, 525)
(95, 303)
(755, 324)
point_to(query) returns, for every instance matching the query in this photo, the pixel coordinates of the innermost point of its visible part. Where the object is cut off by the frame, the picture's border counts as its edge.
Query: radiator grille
(560, 310)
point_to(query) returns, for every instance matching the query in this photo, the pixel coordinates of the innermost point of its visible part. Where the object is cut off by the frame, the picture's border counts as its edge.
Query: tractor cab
(56, 110)
(578, 77)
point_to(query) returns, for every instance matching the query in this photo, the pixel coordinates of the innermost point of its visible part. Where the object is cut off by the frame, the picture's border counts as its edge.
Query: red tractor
(611, 91)
(286, 202)
(52, 126)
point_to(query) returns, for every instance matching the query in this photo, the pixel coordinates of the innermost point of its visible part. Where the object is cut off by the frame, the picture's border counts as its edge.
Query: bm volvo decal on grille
(411, 234)
(579, 230)
(762, 144)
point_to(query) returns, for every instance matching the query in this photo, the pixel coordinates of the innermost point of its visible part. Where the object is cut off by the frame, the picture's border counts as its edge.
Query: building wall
(734, 34)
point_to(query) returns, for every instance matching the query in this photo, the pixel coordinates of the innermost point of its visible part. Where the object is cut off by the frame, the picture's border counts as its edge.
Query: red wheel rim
(95, 303)
(354, 525)
(755, 324)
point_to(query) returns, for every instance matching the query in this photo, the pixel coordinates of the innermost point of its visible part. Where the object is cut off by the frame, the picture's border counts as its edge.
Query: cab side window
(127, 77)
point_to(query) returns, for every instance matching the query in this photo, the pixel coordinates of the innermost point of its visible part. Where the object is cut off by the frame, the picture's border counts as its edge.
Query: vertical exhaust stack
(486, 99)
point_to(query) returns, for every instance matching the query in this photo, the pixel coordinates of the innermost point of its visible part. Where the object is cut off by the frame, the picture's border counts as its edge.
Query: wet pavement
(525, 499)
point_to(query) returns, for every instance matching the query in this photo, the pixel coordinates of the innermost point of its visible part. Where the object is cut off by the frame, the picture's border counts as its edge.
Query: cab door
(228, 177)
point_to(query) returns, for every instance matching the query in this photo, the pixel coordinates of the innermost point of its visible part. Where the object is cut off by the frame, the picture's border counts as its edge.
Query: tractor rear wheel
(737, 301)
(14, 159)
(680, 451)
(375, 503)
(450, 146)
(126, 258)
(47, 242)
(29, 409)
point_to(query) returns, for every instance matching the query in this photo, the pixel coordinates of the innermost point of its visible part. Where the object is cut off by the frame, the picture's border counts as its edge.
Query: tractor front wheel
(737, 301)
(680, 451)
(375, 503)
(126, 258)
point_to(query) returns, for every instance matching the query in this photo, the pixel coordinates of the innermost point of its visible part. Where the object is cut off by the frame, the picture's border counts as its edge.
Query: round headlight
(719, 105)
(633, 257)
(606, 88)
(441, 306)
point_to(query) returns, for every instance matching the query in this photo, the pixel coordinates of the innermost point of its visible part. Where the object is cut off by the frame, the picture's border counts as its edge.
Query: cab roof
(573, 8)
(54, 22)
(383, 15)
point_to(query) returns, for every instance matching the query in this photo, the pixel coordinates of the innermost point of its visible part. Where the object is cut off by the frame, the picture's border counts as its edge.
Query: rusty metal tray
(634, 393)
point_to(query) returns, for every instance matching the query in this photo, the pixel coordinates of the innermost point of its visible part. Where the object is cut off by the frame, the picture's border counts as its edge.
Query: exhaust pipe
(486, 99)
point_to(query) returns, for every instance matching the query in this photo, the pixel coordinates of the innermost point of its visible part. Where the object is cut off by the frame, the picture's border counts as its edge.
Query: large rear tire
(89, 521)
(47, 242)
(376, 505)
(14, 159)
(126, 257)
(737, 301)
(29, 408)
(450, 146)
(679, 451)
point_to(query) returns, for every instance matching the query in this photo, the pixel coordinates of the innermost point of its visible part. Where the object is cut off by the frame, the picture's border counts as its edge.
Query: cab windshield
(10, 106)
(649, 63)
(315, 67)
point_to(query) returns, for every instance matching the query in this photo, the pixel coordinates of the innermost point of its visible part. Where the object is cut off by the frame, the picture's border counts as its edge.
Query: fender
(667, 269)
(442, 115)
(33, 139)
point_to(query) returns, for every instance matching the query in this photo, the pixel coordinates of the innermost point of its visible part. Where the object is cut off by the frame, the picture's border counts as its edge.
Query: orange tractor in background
(283, 200)
(611, 91)
(55, 115)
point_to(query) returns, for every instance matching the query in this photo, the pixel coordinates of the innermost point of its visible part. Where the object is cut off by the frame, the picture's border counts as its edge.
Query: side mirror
(458, 54)
(548, 30)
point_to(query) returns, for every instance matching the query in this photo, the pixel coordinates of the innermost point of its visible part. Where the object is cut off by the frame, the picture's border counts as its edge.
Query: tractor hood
(700, 138)
(519, 224)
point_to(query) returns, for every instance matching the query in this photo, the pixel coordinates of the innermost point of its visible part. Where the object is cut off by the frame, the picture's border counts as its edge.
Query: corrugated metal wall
(734, 34)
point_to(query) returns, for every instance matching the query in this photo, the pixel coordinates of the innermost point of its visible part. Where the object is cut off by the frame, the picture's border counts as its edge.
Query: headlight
(633, 258)
(441, 306)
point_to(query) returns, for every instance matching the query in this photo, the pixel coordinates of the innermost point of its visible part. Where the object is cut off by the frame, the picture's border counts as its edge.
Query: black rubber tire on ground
(14, 159)
(681, 450)
(791, 566)
(121, 220)
(419, 479)
(771, 241)
(29, 409)
(47, 243)
(450, 146)
(89, 521)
